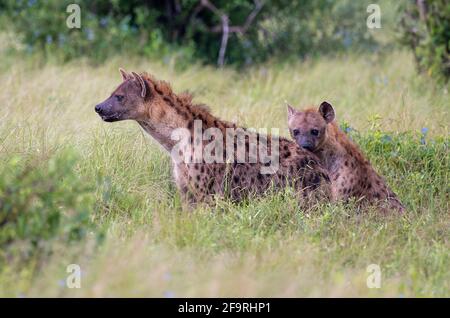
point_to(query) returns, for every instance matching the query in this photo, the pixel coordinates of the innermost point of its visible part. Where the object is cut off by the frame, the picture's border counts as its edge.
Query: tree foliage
(191, 28)
(425, 26)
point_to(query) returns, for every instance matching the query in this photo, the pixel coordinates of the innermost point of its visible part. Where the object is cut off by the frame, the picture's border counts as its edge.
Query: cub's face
(308, 128)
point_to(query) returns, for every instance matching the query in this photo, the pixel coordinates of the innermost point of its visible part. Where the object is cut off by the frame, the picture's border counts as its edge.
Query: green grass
(266, 247)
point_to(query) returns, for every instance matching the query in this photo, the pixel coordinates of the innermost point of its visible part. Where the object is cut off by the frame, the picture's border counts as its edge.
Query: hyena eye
(119, 97)
(295, 132)
(314, 132)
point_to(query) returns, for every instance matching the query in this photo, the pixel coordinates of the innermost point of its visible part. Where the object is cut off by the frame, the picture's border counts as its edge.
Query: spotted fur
(351, 173)
(160, 111)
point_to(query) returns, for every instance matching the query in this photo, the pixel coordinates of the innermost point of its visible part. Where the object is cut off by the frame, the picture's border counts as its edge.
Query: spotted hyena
(163, 114)
(351, 173)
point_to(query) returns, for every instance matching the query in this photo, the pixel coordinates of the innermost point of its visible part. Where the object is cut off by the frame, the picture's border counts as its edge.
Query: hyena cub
(351, 173)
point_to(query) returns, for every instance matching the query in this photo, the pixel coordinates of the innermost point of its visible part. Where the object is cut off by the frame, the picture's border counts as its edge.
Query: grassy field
(149, 247)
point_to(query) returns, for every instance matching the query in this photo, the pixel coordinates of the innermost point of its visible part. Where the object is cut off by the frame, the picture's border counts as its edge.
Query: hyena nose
(98, 109)
(308, 147)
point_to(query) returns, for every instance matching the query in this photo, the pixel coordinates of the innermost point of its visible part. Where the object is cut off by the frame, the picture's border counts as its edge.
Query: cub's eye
(314, 132)
(295, 132)
(119, 97)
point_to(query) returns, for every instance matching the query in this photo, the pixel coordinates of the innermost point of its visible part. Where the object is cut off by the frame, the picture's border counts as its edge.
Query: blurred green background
(192, 30)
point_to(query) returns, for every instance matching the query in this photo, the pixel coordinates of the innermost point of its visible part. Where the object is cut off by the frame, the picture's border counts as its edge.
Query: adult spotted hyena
(234, 162)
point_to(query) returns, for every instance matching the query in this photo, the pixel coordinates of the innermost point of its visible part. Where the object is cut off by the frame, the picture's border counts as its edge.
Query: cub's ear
(290, 110)
(142, 83)
(327, 112)
(124, 74)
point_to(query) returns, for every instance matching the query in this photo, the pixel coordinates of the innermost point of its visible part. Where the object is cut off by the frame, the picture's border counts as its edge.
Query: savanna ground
(139, 241)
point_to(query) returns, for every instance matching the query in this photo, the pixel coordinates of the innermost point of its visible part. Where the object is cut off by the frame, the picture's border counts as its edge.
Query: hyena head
(309, 128)
(127, 101)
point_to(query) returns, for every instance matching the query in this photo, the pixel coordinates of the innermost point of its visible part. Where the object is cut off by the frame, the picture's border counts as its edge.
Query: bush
(106, 27)
(160, 28)
(41, 202)
(305, 28)
(425, 28)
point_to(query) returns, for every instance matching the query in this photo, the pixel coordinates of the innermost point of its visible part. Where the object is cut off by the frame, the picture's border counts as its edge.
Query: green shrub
(426, 30)
(106, 27)
(177, 28)
(41, 201)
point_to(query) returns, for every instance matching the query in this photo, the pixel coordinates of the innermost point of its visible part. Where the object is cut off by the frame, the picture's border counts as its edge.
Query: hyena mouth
(112, 117)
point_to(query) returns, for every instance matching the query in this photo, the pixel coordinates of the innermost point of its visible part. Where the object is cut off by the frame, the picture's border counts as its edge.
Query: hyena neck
(169, 111)
(331, 151)
(338, 148)
(159, 132)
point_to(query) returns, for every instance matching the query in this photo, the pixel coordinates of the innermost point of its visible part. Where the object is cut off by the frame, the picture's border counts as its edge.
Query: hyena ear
(291, 111)
(327, 112)
(124, 74)
(142, 83)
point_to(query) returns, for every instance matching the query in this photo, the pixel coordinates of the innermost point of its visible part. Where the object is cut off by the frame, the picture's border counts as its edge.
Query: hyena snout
(109, 112)
(308, 147)
(306, 143)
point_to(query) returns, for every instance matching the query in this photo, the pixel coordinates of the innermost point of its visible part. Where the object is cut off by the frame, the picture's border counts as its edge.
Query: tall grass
(266, 247)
